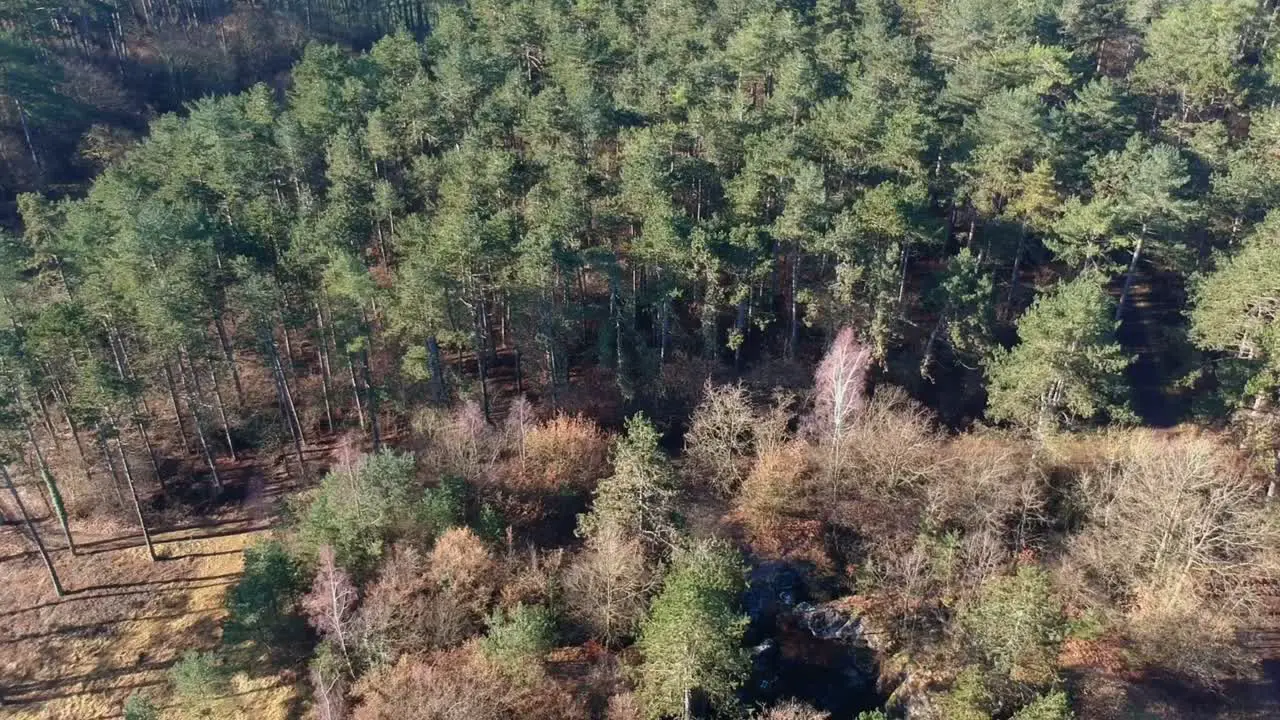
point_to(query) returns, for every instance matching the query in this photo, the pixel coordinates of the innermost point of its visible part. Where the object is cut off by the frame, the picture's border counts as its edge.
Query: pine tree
(691, 641)
(1066, 366)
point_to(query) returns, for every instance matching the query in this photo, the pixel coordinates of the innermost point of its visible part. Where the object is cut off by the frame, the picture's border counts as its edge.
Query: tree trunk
(1013, 277)
(355, 391)
(284, 398)
(1128, 277)
(367, 374)
(177, 412)
(63, 403)
(133, 493)
(229, 354)
(519, 374)
(193, 403)
(151, 451)
(111, 465)
(322, 357)
(31, 528)
(55, 497)
(794, 338)
(438, 390)
(222, 411)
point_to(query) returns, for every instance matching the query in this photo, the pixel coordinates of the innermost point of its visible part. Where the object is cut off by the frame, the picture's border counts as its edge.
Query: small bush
(458, 685)
(719, 443)
(361, 507)
(608, 586)
(791, 710)
(518, 640)
(968, 698)
(442, 507)
(564, 453)
(140, 707)
(1052, 706)
(405, 612)
(1016, 625)
(261, 607)
(198, 678)
(775, 483)
(461, 564)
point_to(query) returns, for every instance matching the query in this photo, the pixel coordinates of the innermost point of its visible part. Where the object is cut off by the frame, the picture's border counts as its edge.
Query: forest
(640, 359)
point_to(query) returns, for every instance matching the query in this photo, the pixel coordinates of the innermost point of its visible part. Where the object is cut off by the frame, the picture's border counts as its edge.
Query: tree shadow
(74, 629)
(118, 586)
(21, 692)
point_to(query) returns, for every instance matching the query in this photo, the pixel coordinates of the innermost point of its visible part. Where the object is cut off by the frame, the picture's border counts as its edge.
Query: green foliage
(518, 640)
(968, 697)
(692, 639)
(198, 678)
(637, 499)
(1015, 625)
(442, 507)
(140, 707)
(261, 607)
(1067, 365)
(360, 508)
(1051, 706)
(1235, 309)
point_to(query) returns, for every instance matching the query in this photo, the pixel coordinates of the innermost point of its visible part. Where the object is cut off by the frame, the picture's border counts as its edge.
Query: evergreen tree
(1066, 366)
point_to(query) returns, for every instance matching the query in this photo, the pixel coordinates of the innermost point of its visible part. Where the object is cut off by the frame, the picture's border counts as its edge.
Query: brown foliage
(405, 610)
(791, 710)
(608, 585)
(1176, 545)
(719, 442)
(461, 564)
(458, 442)
(891, 444)
(536, 581)
(566, 452)
(459, 685)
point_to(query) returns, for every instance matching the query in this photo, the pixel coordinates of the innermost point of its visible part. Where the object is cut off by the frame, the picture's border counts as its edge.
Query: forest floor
(125, 620)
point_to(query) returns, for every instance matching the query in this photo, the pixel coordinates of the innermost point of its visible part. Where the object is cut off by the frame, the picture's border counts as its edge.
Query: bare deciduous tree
(840, 385)
(331, 604)
(840, 393)
(608, 585)
(721, 436)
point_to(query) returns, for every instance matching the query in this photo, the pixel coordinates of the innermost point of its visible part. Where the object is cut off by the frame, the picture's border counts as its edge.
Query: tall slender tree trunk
(284, 398)
(222, 411)
(63, 403)
(374, 427)
(194, 404)
(133, 493)
(26, 132)
(322, 357)
(45, 418)
(55, 497)
(229, 354)
(355, 391)
(111, 465)
(151, 451)
(177, 411)
(1017, 267)
(31, 529)
(1128, 276)
(793, 339)
(438, 390)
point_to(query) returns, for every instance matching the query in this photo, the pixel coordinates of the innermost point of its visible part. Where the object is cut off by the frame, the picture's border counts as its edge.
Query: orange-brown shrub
(462, 565)
(775, 482)
(405, 612)
(533, 582)
(459, 685)
(566, 452)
